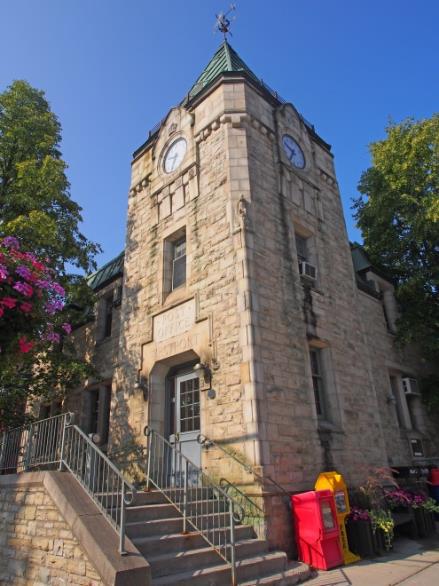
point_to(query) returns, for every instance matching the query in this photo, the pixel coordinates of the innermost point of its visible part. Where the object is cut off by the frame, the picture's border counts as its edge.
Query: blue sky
(111, 69)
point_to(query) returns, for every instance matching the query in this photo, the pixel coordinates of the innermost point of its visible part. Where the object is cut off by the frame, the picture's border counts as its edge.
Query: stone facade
(305, 375)
(37, 546)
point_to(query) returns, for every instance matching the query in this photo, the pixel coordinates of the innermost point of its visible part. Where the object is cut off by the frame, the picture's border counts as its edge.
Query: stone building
(237, 263)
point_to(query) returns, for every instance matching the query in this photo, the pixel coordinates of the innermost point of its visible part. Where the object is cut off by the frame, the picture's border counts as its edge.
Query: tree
(38, 215)
(398, 214)
(35, 205)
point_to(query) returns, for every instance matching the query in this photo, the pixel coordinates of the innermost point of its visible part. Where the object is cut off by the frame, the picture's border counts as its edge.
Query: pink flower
(24, 272)
(24, 288)
(67, 328)
(58, 289)
(24, 345)
(2, 311)
(26, 307)
(11, 242)
(8, 302)
(52, 337)
(3, 273)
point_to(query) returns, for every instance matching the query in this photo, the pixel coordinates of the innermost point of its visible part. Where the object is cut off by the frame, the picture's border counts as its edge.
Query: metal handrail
(56, 442)
(250, 513)
(207, 443)
(33, 445)
(203, 504)
(99, 477)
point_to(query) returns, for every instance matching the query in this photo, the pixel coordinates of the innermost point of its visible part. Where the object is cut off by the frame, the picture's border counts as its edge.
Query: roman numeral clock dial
(293, 151)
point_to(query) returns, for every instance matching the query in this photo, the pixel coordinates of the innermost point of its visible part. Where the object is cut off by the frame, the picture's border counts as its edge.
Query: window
(307, 268)
(108, 315)
(178, 262)
(94, 411)
(174, 262)
(394, 387)
(302, 248)
(97, 412)
(318, 381)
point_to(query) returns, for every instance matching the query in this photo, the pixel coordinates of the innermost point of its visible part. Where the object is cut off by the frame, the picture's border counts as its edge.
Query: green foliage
(382, 519)
(35, 204)
(44, 377)
(398, 214)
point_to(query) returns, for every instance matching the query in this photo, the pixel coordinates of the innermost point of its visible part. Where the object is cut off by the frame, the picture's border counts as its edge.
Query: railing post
(63, 437)
(148, 464)
(122, 521)
(232, 544)
(28, 452)
(186, 470)
(3, 449)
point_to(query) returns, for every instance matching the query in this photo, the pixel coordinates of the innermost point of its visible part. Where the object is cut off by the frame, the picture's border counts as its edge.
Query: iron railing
(250, 513)
(56, 442)
(204, 505)
(266, 482)
(33, 445)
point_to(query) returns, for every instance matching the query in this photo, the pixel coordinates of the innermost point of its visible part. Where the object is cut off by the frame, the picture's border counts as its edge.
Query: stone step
(153, 497)
(296, 573)
(181, 561)
(154, 527)
(156, 544)
(219, 575)
(149, 512)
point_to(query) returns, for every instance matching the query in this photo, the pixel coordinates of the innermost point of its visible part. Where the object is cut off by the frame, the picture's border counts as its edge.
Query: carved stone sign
(175, 321)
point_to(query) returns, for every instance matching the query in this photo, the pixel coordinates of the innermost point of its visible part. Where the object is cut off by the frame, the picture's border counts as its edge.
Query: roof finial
(223, 23)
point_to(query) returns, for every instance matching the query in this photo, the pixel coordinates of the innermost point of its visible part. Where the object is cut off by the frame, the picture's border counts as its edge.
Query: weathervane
(223, 23)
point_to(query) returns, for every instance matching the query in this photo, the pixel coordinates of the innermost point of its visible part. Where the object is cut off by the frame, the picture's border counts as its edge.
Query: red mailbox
(316, 527)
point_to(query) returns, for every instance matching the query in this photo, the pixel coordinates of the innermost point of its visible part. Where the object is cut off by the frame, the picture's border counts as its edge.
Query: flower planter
(421, 526)
(424, 522)
(379, 541)
(430, 522)
(360, 538)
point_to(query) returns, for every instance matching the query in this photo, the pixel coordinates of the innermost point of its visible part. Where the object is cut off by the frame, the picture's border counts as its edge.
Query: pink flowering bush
(30, 300)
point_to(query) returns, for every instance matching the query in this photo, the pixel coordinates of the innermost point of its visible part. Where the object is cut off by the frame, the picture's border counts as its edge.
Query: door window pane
(190, 405)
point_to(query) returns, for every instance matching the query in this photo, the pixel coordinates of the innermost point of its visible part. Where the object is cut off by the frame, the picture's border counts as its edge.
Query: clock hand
(173, 161)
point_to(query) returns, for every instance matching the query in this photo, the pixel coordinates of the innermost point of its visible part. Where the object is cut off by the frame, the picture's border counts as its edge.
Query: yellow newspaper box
(334, 482)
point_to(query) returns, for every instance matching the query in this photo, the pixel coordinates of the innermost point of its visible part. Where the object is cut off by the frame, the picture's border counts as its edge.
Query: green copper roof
(107, 273)
(225, 59)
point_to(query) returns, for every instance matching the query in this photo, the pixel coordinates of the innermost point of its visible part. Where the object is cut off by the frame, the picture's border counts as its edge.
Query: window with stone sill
(96, 412)
(306, 258)
(174, 262)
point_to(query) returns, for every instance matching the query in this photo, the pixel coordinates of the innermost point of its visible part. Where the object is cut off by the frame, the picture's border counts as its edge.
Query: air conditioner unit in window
(410, 386)
(307, 270)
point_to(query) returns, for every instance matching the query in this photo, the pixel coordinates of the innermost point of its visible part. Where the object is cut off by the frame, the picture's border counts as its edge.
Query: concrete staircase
(156, 528)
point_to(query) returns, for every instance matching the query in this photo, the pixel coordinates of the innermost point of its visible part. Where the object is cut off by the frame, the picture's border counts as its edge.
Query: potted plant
(359, 532)
(399, 501)
(424, 509)
(383, 527)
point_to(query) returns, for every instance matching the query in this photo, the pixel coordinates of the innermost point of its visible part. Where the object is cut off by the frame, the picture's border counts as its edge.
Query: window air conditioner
(307, 270)
(410, 386)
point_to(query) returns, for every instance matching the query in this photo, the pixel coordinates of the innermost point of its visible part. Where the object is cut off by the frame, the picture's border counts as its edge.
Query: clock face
(174, 155)
(293, 151)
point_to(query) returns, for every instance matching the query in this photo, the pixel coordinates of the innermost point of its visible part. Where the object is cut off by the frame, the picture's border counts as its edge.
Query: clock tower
(241, 319)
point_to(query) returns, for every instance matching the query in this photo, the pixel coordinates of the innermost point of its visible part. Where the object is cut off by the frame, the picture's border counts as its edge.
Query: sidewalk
(410, 563)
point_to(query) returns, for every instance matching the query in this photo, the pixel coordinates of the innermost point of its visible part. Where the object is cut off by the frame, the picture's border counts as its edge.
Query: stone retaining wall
(36, 545)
